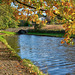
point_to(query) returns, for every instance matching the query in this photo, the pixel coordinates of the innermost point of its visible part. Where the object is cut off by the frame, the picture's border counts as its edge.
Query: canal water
(47, 53)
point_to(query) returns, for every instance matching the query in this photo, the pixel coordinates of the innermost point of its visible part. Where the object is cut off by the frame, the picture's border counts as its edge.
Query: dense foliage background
(7, 19)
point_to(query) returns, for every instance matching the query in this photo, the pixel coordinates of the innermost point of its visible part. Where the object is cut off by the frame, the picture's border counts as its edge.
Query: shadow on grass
(5, 54)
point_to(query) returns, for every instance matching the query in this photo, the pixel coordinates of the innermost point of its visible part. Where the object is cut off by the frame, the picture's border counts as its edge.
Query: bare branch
(34, 7)
(29, 5)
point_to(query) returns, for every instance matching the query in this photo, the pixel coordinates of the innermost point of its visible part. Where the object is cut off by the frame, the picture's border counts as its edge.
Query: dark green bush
(24, 23)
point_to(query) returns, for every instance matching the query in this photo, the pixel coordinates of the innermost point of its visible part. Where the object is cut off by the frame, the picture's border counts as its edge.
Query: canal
(45, 52)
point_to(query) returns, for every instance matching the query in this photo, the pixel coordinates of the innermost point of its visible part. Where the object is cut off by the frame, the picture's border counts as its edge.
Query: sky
(12, 4)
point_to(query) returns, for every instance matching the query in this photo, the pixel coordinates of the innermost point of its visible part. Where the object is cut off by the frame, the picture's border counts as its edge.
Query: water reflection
(47, 53)
(13, 42)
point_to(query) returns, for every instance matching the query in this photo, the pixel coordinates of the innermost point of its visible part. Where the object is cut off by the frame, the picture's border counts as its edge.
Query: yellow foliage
(63, 8)
(56, 11)
(29, 0)
(73, 26)
(37, 22)
(33, 20)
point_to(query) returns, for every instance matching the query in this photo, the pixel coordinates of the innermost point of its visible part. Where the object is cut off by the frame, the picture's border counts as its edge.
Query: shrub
(7, 19)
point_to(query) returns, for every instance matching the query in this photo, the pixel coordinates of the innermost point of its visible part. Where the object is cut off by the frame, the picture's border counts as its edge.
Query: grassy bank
(31, 68)
(47, 33)
(51, 33)
(7, 33)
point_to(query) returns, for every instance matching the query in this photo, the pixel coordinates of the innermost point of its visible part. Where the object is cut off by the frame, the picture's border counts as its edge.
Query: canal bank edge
(31, 68)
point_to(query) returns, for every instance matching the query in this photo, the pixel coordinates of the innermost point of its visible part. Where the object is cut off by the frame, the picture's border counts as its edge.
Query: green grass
(9, 33)
(2, 39)
(52, 33)
(47, 34)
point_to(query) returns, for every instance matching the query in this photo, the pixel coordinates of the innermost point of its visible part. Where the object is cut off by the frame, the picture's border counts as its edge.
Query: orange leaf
(62, 42)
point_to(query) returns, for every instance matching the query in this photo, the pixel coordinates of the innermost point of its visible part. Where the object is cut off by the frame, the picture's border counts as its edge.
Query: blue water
(48, 54)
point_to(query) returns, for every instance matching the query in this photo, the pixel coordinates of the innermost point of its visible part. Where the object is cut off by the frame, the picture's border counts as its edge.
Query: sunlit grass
(48, 34)
(6, 32)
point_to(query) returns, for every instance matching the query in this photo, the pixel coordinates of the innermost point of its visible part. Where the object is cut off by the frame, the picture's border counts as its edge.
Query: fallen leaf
(19, 71)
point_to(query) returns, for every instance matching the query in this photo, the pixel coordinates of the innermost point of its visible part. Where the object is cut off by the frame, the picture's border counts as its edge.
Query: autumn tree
(62, 8)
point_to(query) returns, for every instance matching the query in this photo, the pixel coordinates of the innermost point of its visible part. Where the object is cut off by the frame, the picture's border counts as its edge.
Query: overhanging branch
(35, 8)
(28, 5)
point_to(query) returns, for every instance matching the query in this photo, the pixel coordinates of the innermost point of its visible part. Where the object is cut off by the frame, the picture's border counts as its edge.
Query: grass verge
(8, 33)
(46, 33)
(51, 33)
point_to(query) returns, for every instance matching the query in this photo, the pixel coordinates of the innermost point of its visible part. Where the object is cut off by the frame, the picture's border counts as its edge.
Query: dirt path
(53, 27)
(17, 29)
(47, 27)
(10, 65)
